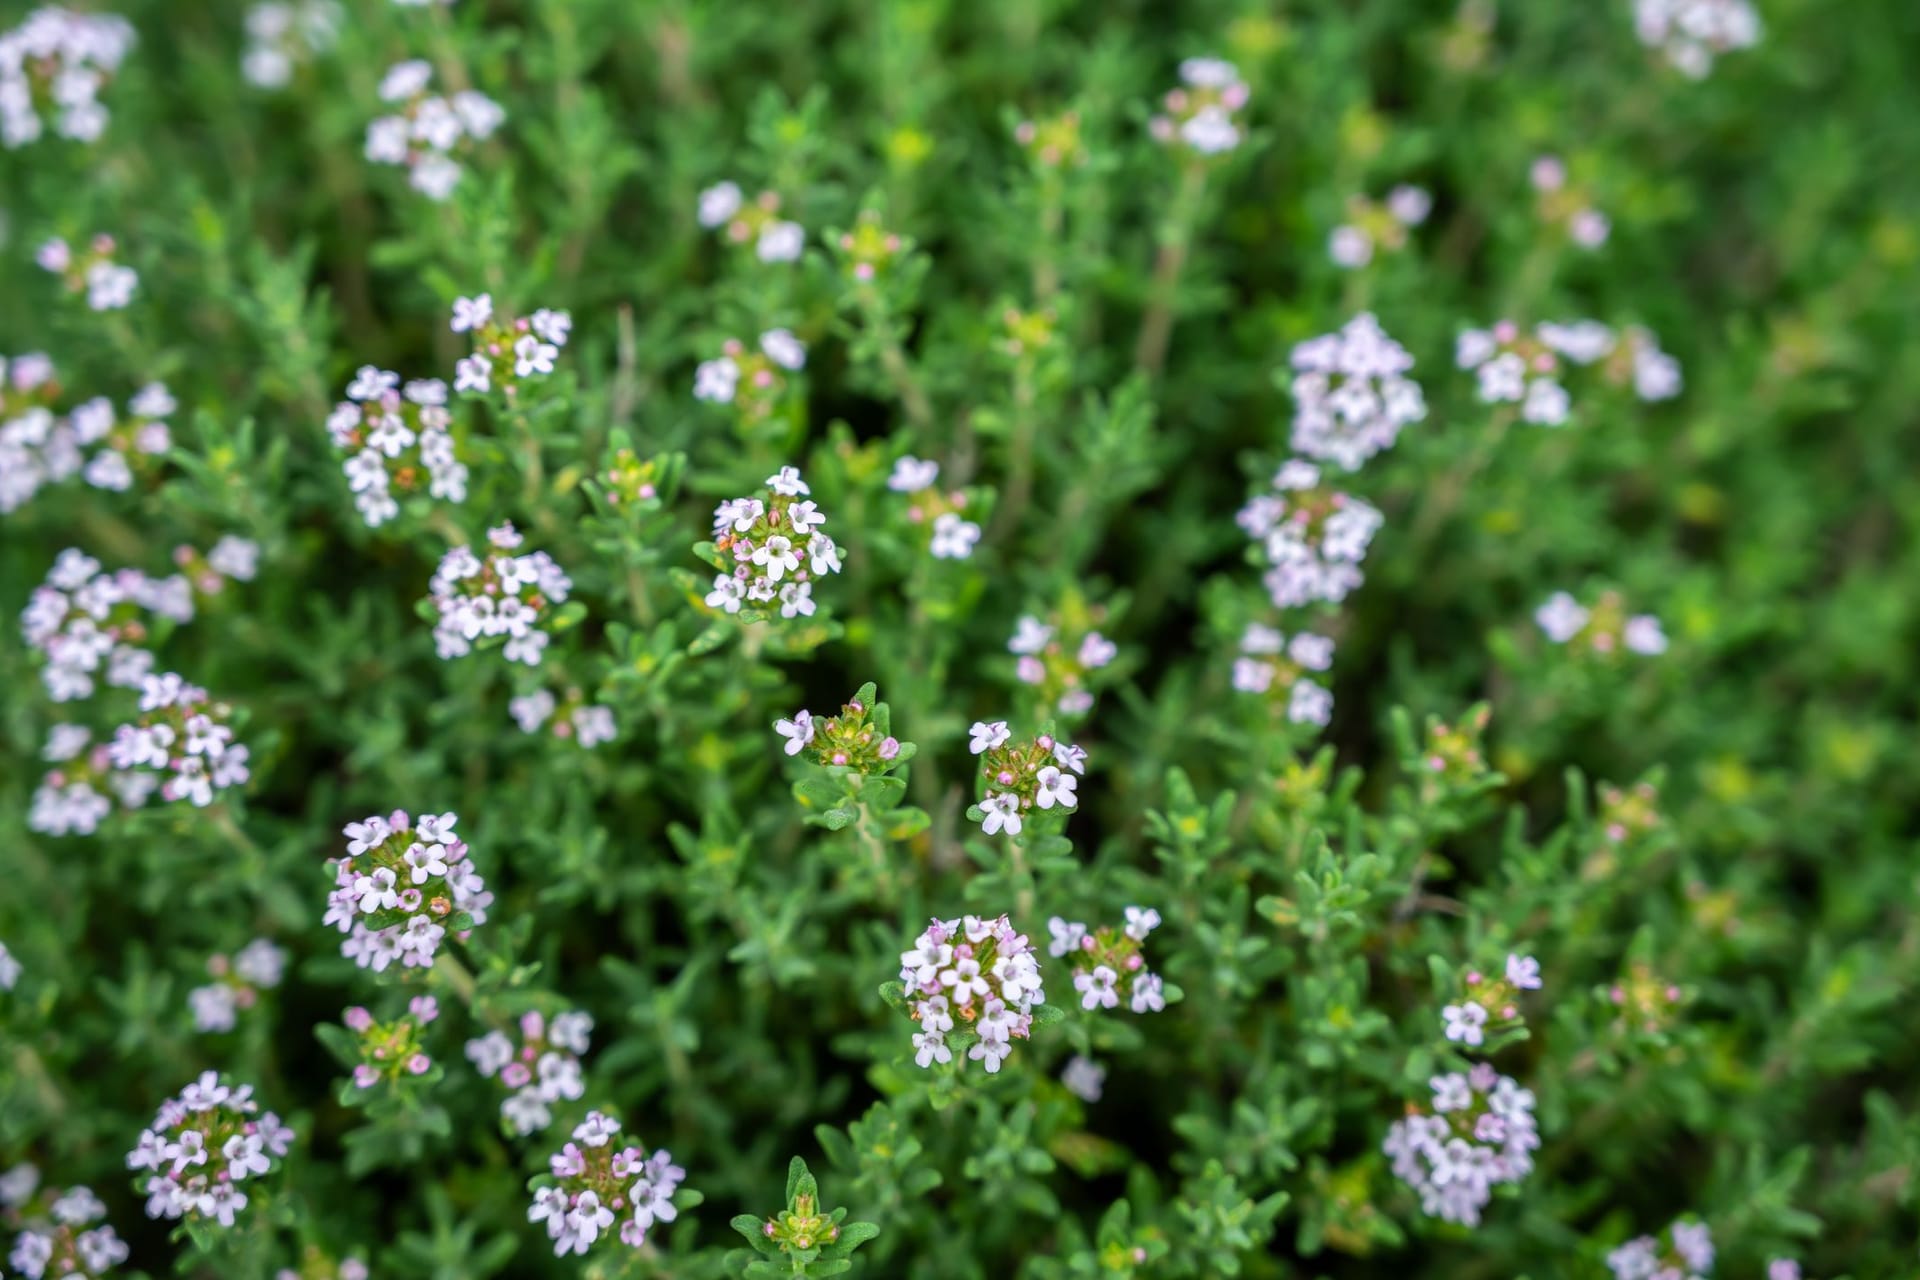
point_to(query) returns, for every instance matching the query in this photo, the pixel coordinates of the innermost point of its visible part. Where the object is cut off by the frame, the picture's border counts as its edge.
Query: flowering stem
(1445, 496)
(458, 978)
(1046, 271)
(893, 359)
(1020, 457)
(1176, 235)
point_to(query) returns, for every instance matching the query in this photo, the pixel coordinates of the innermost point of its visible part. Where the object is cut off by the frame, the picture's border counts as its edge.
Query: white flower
(953, 538)
(1464, 1023)
(780, 242)
(988, 735)
(1350, 247)
(784, 349)
(910, 475)
(787, 483)
(1055, 788)
(1067, 936)
(472, 313)
(1084, 1078)
(1643, 635)
(1561, 617)
(798, 731)
(532, 356)
(719, 203)
(1141, 921)
(1001, 812)
(1097, 988)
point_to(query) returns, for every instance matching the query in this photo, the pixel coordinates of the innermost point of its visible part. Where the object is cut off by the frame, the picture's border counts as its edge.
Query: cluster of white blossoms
(52, 68)
(56, 1236)
(397, 439)
(72, 798)
(1059, 663)
(237, 984)
(179, 744)
(283, 35)
(1370, 227)
(93, 441)
(1606, 628)
(594, 1182)
(753, 382)
(1315, 536)
(507, 350)
(1478, 1134)
(977, 971)
(1685, 1254)
(500, 595)
(1351, 395)
(950, 535)
(756, 223)
(107, 285)
(777, 548)
(1276, 666)
(1018, 778)
(1200, 115)
(401, 887)
(574, 720)
(1512, 366)
(542, 1070)
(1692, 33)
(1567, 207)
(1631, 357)
(1108, 967)
(1490, 1003)
(92, 624)
(202, 1146)
(426, 132)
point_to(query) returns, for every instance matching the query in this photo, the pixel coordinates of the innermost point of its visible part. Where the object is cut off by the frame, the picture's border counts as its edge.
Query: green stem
(1176, 236)
(893, 359)
(448, 968)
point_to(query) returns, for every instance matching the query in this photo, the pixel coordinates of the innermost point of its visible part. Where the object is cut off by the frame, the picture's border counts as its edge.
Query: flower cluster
(1276, 666)
(72, 798)
(401, 887)
(1490, 1004)
(1108, 966)
(1511, 366)
(1479, 1133)
(1625, 814)
(849, 740)
(1199, 115)
(754, 382)
(108, 285)
(285, 34)
(982, 972)
(757, 223)
(869, 248)
(1055, 142)
(202, 1146)
(950, 535)
(86, 622)
(1685, 1254)
(37, 448)
(593, 1183)
(543, 1070)
(1606, 628)
(1646, 1001)
(230, 559)
(428, 133)
(1567, 207)
(572, 720)
(1059, 658)
(55, 1237)
(396, 439)
(1635, 359)
(1374, 226)
(507, 350)
(237, 984)
(1314, 535)
(1454, 755)
(502, 595)
(52, 68)
(1351, 395)
(391, 1051)
(1018, 778)
(776, 547)
(181, 743)
(1692, 33)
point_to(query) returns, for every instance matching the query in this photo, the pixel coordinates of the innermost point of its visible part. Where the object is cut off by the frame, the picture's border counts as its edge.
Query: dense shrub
(1042, 639)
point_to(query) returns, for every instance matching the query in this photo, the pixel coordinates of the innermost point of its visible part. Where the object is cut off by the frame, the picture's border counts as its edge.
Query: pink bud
(365, 1076)
(1473, 977)
(357, 1019)
(418, 1064)
(889, 748)
(1134, 962)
